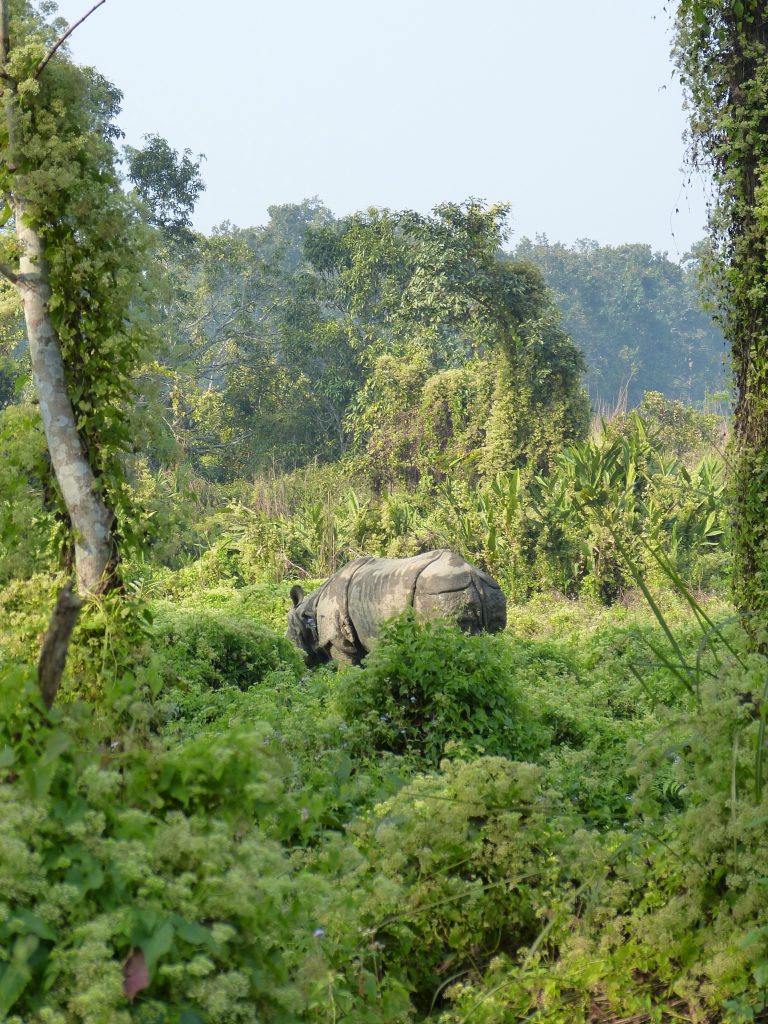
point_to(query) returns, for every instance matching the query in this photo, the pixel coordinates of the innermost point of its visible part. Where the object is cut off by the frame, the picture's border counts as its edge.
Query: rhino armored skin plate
(342, 619)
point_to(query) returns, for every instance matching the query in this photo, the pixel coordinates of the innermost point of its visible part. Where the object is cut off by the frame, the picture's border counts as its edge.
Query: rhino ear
(297, 595)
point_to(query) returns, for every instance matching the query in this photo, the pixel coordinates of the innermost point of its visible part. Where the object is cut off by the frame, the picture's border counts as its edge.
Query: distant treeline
(637, 316)
(405, 340)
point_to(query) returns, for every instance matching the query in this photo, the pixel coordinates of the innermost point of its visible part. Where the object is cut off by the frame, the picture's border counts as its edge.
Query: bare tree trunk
(91, 519)
(53, 656)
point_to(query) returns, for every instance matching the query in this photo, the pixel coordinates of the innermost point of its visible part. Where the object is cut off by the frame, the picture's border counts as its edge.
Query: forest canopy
(278, 340)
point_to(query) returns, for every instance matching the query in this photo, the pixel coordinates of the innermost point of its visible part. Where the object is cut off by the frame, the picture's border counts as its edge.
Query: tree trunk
(91, 519)
(722, 50)
(53, 656)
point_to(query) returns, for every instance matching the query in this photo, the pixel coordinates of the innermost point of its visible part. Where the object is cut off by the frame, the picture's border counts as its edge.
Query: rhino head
(302, 628)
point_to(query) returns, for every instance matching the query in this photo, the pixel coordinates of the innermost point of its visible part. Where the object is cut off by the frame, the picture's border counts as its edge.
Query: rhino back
(451, 587)
(382, 588)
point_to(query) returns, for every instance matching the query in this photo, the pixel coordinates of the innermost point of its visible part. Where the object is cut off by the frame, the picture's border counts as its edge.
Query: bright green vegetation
(564, 817)
(542, 821)
(562, 823)
(643, 476)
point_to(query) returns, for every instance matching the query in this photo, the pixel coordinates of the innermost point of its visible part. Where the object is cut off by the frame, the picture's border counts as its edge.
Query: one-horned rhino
(342, 618)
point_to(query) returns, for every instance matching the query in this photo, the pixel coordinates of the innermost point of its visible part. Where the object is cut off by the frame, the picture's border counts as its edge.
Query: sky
(568, 110)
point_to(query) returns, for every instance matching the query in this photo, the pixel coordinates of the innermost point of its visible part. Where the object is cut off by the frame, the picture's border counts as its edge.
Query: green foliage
(25, 606)
(696, 925)
(31, 529)
(557, 823)
(679, 429)
(59, 173)
(722, 55)
(470, 863)
(425, 686)
(618, 493)
(281, 339)
(218, 649)
(472, 350)
(14, 366)
(172, 858)
(637, 317)
(292, 850)
(255, 372)
(168, 183)
(555, 530)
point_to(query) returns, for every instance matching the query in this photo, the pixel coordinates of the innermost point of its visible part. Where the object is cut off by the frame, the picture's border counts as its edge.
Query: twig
(63, 38)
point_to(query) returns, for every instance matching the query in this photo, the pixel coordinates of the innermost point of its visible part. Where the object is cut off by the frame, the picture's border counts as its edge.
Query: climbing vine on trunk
(74, 249)
(722, 55)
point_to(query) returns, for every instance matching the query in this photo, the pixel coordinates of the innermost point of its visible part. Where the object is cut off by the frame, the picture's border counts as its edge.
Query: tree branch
(9, 274)
(63, 38)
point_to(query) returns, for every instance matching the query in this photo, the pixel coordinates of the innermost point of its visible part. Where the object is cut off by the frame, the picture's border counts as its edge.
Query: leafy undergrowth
(542, 825)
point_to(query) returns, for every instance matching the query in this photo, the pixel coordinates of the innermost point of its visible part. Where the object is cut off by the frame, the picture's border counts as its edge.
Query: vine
(87, 248)
(722, 54)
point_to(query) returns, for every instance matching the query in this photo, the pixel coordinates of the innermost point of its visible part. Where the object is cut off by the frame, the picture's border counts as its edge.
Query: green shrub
(679, 428)
(426, 685)
(122, 857)
(674, 926)
(109, 639)
(329, 783)
(469, 863)
(25, 608)
(215, 649)
(689, 891)
(31, 530)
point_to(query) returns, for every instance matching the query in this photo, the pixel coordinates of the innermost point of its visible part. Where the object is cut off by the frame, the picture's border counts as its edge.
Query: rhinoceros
(342, 619)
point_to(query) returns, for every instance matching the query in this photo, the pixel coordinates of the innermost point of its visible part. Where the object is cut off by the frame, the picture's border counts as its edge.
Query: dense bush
(585, 527)
(427, 685)
(678, 428)
(293, 850)
(31, 534)
(561, 823)
(150, 882)
(470, 862)
(214, 648)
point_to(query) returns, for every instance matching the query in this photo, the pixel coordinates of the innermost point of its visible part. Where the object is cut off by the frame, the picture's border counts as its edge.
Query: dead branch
(63, 38)
(53, 655)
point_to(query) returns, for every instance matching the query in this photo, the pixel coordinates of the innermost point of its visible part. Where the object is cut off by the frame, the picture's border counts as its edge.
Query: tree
(435, 291)
(73, 252)
(168, 183)
(255, 373)
(281, 338)
(722, 55)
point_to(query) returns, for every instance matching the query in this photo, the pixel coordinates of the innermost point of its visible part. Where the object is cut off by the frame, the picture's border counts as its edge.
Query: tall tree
(73, 253)
(254, 374)
(722, 54)
(168, 183)
(437, 292)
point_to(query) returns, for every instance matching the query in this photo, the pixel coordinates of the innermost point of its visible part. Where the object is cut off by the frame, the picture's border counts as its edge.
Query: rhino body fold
(343, 617)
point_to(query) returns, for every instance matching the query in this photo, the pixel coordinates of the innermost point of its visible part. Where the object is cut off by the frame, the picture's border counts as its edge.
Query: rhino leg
(345, 656)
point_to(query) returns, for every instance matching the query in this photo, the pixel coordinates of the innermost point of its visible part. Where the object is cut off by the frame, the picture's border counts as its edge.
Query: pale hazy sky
(566, 109)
